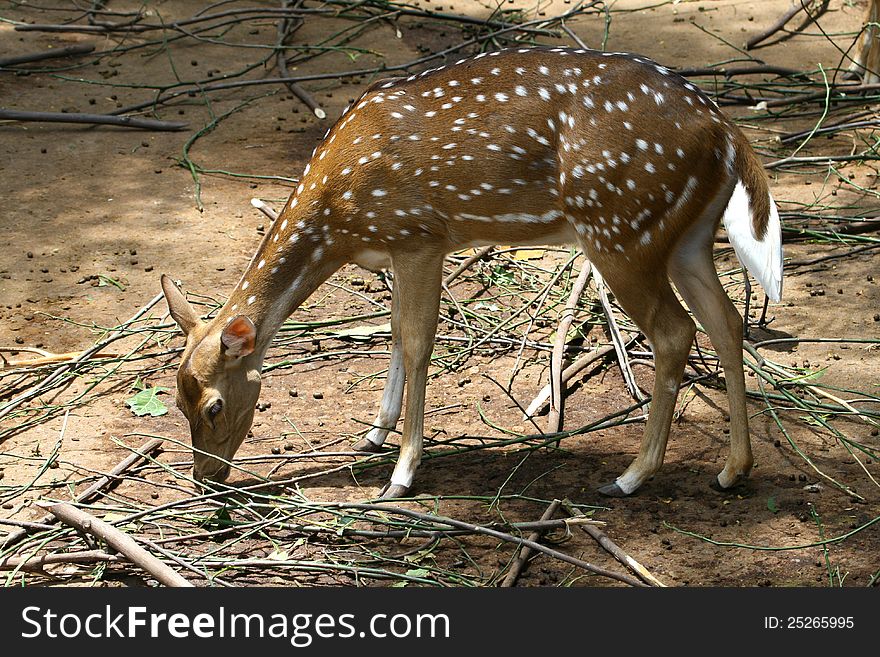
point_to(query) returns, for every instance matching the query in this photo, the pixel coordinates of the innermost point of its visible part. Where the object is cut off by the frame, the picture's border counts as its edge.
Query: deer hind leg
(693, 272)
(649, 301)
(392, 396)
(417, 282)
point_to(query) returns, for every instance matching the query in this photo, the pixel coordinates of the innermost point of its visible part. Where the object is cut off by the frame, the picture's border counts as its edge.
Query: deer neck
(294, 259)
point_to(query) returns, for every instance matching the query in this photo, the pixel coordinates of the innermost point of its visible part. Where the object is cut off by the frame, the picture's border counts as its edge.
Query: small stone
(293, 392)
(154, 495)
(318, 395)
(276, 450)
(289, 447)
(30, 254)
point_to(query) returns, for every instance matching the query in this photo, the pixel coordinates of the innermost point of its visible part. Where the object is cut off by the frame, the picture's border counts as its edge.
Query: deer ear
(238, 337)
(178, 306)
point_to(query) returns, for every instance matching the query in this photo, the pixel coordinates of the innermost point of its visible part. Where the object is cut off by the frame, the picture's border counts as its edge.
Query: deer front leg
(417, 282)
(392, 396)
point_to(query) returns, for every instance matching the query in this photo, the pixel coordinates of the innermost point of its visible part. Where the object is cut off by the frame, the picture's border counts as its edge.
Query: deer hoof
(612, 490)
(716, 485)
(393, 491)
(364, 445)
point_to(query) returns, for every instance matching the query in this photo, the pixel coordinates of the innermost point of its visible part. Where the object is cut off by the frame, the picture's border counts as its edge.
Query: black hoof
(393, 491)
(612, 490)
(715, 485)
(364, 445)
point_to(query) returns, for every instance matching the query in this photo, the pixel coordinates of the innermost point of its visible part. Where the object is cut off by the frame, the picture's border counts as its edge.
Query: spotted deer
(610, 151)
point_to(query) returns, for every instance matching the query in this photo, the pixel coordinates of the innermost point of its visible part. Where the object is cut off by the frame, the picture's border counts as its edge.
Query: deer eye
(215, 408)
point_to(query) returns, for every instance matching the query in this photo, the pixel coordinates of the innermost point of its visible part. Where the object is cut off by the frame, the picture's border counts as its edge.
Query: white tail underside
(763, 258)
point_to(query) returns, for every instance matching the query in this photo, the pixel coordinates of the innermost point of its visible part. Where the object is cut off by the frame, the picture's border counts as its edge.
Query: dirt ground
(91, 217)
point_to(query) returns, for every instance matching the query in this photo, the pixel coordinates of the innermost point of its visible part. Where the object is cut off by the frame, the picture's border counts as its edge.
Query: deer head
(218, 383)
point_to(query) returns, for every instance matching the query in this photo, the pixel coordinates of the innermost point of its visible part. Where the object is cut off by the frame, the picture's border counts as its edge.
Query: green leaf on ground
(147, 402)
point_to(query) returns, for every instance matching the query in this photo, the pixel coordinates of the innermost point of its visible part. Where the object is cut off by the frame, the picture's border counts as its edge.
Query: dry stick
(841, 91)
(39, 563)
(92, 491)
(567, 375)
(617, 339)
(119, 541)
(50, 380)
(612, 548)
(81, 49)
(741, 70)
(264, 208)
(778, 25)
(94, 119)
(482, 253)
(47, 357)
(281, 59)
(526, 552)
(557, 396)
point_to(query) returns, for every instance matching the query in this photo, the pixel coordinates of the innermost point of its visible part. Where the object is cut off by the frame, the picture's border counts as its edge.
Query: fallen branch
(567, 375)
(94, 119)
(557, 393)
(85, 522)
(612, 548)
(526, 552)
(617, 339)
(57, 53)
(284, 24)
(787, 16)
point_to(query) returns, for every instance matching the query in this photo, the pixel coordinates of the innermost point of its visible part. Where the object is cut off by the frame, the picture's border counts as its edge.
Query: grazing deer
(527, 146)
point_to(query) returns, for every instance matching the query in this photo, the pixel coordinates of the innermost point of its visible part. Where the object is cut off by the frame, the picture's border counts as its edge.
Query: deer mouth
(211, 473)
